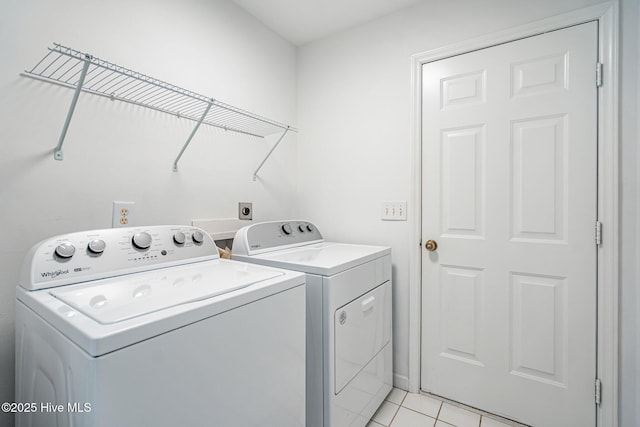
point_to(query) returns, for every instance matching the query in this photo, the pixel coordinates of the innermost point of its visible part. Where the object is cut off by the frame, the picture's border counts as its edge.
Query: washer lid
(117, 299)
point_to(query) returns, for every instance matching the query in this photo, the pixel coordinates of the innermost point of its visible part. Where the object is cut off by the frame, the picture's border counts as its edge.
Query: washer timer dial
(141, 240)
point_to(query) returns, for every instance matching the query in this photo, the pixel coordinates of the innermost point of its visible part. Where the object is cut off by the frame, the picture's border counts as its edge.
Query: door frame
(607, 15)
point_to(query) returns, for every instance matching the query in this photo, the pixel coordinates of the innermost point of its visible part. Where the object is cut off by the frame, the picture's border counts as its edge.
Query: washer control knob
(141, 240)
(179, 238)
(65, 250)
(309, 227)
(197, 237)
(96, 246)
(286, 229)
(302, 228)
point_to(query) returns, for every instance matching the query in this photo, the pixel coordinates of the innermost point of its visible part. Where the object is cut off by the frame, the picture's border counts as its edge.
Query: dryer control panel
(275, 235)
(97, 254)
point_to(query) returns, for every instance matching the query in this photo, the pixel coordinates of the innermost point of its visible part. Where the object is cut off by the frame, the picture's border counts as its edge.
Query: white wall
(354, 106)
(116, 151)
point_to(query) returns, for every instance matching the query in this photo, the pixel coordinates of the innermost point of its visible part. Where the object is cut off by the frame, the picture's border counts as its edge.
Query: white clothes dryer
(349, 343)
(146, 326)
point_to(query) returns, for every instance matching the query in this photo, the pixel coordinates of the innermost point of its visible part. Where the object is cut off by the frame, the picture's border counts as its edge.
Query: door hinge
(599, 74)
(598, 391)
(598, 233)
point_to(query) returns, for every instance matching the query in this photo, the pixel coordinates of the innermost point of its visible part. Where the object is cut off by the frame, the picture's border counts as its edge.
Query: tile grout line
(421, 413)
(439, 410)
(399, 406)
(394, 415)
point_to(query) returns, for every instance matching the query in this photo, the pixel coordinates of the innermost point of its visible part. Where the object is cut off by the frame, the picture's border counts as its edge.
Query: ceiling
(303, 21)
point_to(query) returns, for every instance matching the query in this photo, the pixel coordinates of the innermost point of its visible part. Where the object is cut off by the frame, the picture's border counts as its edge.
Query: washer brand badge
(255, 246)
(54, 274)
(343, 317)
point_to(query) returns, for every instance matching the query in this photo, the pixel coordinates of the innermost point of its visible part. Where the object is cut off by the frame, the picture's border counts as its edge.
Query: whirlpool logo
(54, 274)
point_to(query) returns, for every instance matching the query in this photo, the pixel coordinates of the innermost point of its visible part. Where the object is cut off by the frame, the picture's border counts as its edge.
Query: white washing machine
(349, 348)
(146, 326)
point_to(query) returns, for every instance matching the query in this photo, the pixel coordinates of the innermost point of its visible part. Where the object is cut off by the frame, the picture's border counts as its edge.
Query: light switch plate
(394, 211)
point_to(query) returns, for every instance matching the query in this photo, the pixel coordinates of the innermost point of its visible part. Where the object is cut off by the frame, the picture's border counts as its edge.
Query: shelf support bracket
(193, 132)
(57, 152)
(255, 174)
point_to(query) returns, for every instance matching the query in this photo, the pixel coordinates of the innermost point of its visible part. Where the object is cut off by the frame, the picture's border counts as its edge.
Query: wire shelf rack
(86, 73)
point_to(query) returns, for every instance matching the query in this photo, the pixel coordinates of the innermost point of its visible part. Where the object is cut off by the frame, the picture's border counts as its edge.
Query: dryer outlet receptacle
(245, 210)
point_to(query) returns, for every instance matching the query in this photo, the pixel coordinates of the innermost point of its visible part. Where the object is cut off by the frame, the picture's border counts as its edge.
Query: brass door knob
(431, 245)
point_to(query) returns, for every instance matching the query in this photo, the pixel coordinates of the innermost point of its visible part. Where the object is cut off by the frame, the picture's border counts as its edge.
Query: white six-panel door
(509, 195)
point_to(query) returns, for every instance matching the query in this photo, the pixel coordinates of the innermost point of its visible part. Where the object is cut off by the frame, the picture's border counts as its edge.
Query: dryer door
(362, 329)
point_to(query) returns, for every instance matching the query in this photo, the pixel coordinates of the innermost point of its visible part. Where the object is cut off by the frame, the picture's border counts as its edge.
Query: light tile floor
(402, 409)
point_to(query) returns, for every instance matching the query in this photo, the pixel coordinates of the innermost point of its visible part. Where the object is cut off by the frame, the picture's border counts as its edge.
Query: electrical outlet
(394, 211)
(245, 210)
(123, 214)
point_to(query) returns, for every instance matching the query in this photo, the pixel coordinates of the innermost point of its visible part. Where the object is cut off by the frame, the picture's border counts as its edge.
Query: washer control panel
(266, 236)
(90, 255)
